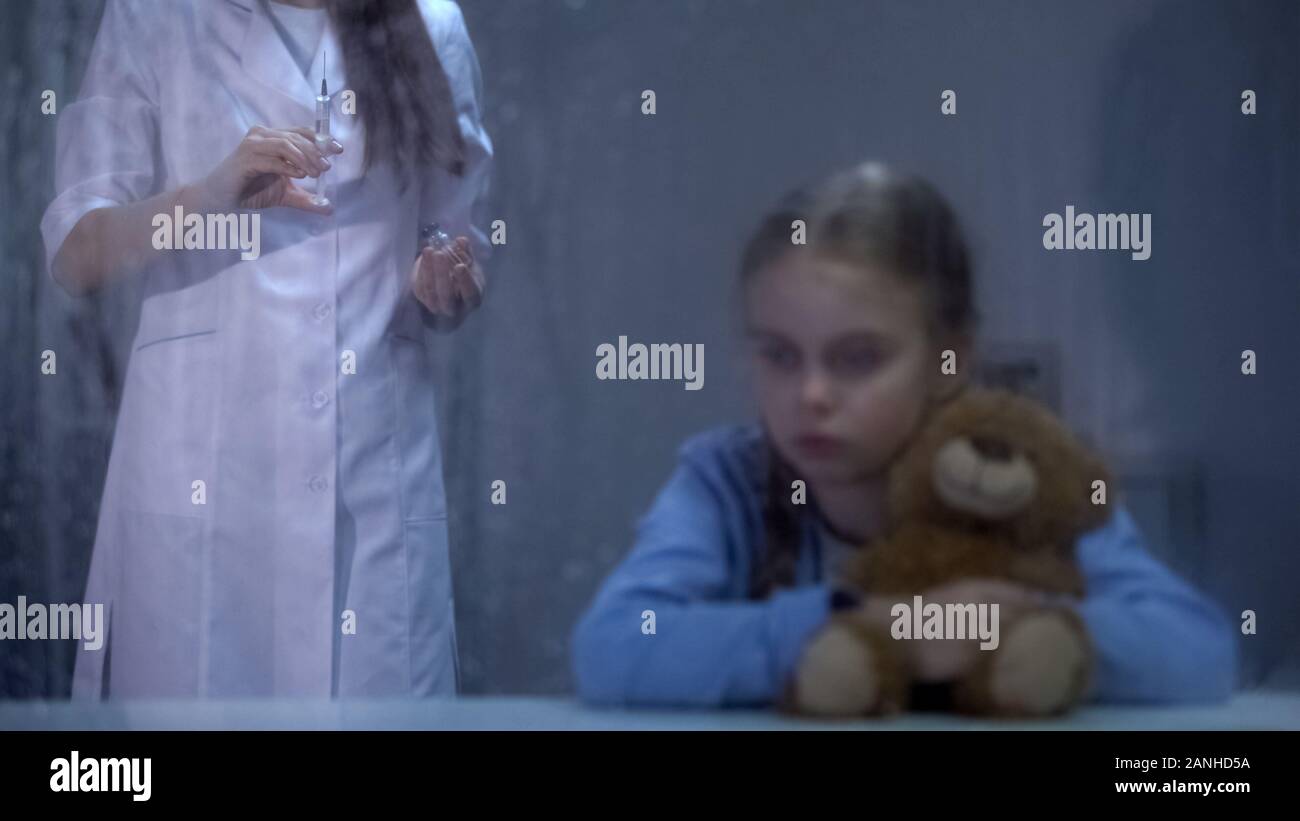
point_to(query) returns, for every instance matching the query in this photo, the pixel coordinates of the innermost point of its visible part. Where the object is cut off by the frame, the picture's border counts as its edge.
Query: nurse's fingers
(441, 261)
(264, 164)
(284, 149)
(295, 197)
(442, 285)
(333, 146)
(306, 143)
(422, 281)
(462, 251)
(471, 293)
(258, 159)
(466, 252)
(309, 149)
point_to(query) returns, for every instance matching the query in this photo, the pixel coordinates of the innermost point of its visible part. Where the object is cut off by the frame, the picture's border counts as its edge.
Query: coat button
(320, 399)
(318, 484)
(322, 311)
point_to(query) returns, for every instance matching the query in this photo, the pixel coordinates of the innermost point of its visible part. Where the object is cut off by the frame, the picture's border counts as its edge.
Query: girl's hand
(449, 283)
(258, 173)
(936, 660)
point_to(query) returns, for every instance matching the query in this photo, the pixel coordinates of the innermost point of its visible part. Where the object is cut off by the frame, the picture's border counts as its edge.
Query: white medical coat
(323, 490)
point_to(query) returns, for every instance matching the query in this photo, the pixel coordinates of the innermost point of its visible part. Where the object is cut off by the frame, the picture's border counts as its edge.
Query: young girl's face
(843, 366)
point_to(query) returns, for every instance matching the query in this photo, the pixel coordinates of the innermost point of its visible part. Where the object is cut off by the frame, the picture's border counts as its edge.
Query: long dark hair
(867, 215)
(403, 96)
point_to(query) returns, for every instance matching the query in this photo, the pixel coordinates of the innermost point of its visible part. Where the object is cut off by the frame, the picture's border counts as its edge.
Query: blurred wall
(623, 224)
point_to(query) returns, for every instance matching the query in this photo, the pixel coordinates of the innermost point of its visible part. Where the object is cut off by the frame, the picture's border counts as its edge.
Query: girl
(273, 520)
(846, 334)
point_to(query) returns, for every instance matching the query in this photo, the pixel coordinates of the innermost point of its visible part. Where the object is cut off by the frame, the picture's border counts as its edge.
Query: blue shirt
(1157, 639)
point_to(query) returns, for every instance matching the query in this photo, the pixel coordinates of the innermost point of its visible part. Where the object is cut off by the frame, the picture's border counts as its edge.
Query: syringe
(322, 137)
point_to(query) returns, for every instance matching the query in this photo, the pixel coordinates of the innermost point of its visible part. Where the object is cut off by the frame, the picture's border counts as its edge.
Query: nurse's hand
(259, 173)
(449, 283)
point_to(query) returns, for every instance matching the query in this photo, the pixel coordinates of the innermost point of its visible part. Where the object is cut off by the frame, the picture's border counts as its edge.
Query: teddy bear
(989, 486)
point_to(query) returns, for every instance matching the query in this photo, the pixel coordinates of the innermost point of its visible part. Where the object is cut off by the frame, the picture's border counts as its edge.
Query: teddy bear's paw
(1039, 667)
(837, 676)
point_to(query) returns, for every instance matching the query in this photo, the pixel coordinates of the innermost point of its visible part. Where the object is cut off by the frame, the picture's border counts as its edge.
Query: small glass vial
(432, 236)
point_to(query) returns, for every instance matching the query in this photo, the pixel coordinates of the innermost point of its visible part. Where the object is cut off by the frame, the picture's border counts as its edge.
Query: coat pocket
(156, 614)
(180, 300)
(168, 424)
(434, 666)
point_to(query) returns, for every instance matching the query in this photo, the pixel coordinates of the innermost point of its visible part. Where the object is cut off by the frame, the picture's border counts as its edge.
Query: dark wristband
(844, 599)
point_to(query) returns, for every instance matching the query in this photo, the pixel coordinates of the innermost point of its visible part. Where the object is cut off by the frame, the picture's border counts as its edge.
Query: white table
(1257, 710)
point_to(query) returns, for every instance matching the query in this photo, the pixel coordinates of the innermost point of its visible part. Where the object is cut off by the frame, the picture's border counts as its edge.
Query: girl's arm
(1157, 638)
(706, 650)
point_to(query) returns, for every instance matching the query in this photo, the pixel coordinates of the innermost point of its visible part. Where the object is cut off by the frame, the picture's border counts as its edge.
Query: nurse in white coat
(273, 519)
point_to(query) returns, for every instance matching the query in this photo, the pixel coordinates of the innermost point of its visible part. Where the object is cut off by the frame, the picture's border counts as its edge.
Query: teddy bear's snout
(985, 476)
(991, 448)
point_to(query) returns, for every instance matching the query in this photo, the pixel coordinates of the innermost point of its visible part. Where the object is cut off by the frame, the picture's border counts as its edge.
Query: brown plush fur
(1031, 483)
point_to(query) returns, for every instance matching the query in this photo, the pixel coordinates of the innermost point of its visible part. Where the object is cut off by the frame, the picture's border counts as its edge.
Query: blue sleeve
(708, 649)
(1157, 638)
